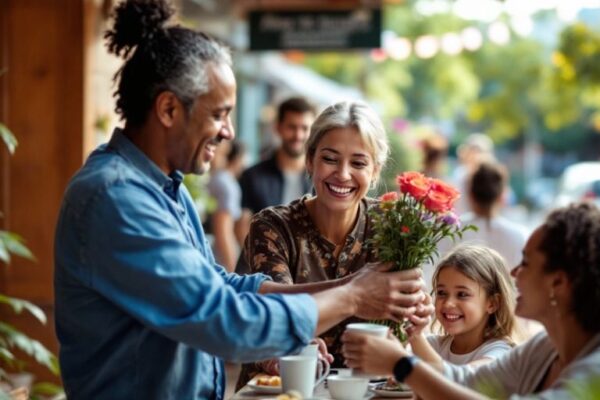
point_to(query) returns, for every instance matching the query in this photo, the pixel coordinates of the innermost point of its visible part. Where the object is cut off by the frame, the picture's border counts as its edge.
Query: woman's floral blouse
(285, 244)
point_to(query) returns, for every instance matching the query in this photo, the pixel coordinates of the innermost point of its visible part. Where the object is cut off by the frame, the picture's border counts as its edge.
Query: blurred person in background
(435, 155)
(475, 148)
(281, 178)
(487, 188)
(226, 222)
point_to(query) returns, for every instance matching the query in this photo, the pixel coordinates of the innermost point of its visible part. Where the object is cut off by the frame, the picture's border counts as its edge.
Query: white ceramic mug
(347, 387)
(323, 367)
(365, 328)
(298, 373)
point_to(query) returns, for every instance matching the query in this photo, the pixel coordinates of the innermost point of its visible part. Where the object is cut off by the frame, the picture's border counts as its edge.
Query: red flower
(405, 229)
(414, 183)
(389, 196)
(441, 196)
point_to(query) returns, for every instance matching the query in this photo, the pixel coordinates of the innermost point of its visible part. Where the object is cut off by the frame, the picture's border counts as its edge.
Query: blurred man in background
(282, 177)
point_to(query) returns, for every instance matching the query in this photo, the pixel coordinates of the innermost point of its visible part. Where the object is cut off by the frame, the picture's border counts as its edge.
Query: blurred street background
(524, 73)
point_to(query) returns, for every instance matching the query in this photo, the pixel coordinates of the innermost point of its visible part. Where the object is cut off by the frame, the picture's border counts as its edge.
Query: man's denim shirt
(142, 310)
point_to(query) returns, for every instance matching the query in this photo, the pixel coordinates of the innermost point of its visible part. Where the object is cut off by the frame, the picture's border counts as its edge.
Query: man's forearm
(314, 287)
(334, 306)
(335, 302)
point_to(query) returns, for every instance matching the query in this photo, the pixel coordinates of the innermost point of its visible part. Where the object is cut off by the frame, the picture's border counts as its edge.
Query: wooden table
(246, 393)
(321, 393)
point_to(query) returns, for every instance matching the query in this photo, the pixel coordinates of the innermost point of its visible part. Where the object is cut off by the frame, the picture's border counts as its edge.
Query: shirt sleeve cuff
(306, 310)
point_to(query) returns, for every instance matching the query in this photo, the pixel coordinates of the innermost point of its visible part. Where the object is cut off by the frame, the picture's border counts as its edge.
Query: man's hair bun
(135, 22)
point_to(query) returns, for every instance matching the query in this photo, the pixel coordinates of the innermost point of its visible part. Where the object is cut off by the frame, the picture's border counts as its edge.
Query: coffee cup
(365, 328)
(323, 367)
(298, 373)
(347, 387)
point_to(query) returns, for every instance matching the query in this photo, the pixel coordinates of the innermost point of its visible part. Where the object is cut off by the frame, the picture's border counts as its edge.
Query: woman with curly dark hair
(559, 286)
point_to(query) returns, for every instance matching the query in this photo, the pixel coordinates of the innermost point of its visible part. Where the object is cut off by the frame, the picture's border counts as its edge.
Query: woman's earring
(553, 301)
(373, 185)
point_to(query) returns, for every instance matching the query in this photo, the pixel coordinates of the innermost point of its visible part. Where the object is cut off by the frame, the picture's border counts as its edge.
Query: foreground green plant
(11, 338)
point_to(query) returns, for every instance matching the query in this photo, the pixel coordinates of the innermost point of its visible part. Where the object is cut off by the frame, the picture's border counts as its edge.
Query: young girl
(474, 303)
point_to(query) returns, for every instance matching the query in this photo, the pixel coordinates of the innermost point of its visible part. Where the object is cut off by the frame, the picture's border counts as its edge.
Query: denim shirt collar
(125, 147)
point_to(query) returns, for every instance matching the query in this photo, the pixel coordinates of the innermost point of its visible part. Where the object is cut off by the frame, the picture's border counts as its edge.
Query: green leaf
(4, 254)
(7, 356)
(14, 243)
(19, 304)
(9, 139)
(30, 346)
(46, 388)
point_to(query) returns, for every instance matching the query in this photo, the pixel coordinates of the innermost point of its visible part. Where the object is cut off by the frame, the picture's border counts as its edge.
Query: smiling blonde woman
(322, 237)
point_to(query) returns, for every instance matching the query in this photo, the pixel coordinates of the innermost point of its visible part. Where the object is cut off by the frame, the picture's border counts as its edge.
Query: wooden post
(43, 100)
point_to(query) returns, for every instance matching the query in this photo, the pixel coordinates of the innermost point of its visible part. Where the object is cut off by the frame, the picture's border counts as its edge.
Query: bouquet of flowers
(409, 223)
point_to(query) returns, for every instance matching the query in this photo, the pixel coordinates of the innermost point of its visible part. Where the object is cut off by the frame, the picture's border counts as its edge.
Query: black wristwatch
(404, 367)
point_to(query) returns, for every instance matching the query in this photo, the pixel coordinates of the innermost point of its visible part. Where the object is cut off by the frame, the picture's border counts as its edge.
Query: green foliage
(12, 243)
(575, 78)
(588, 389)
(402, 158)
(205, 204)
(43, 390)
(10, 337)
(510, 92)
(8, 138)
(510, 77)
(492, 389)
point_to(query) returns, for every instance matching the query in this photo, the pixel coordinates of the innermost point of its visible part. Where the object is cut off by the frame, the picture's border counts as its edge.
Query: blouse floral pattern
(284, 243)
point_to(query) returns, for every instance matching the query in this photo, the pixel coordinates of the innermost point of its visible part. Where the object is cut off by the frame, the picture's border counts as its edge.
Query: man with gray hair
(142, 309)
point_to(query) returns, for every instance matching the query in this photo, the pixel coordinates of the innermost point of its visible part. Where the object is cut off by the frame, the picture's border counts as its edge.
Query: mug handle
(323, 370)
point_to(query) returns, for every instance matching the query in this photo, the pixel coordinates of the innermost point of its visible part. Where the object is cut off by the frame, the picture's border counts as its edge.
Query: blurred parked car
(579, 182)
(540, 193)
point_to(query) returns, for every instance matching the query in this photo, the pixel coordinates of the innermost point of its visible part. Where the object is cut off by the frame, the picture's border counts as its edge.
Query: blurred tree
(575, 79)
(518, 93)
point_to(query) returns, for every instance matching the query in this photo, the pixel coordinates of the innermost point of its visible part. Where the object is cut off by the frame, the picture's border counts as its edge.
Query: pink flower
(414, 183)
(441, 196)
(389, 197)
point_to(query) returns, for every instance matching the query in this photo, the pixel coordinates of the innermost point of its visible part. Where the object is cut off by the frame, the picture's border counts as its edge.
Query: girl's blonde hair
(488, 268)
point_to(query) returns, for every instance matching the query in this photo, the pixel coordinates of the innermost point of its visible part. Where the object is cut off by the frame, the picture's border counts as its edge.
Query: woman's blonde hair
(488, 268)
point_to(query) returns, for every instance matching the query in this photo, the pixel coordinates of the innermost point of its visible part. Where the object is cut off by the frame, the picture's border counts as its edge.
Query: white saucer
(263, 389)
(400, 394)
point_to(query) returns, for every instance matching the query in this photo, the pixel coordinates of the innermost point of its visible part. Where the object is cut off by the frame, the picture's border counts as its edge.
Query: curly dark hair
(571, 243)
(158, 58)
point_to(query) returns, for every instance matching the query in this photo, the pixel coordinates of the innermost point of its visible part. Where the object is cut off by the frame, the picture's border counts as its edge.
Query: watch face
(404, 367)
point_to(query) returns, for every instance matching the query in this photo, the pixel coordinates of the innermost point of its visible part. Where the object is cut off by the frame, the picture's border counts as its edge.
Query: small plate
(263, 389)
(380, 392)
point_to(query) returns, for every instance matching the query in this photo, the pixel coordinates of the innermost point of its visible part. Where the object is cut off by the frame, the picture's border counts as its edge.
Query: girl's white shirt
(494, 348)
